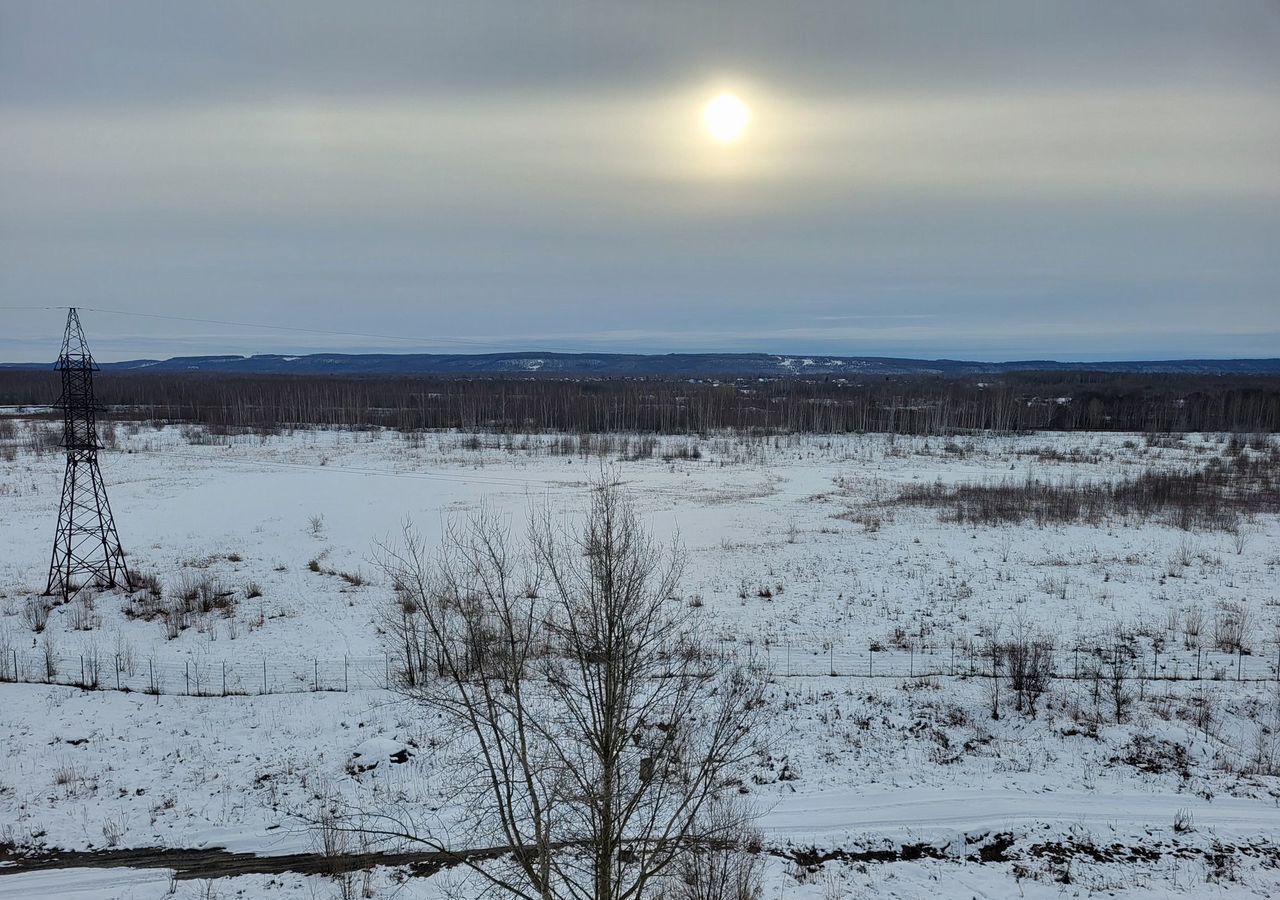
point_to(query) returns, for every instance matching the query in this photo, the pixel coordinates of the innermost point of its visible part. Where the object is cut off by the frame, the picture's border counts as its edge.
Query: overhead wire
(422, 341)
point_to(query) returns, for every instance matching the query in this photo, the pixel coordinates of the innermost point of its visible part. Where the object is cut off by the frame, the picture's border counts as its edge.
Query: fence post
(15, 666)
(346, 686)
(81, 670)
(186, 676)
(264, 675)
(151, 676)
(117, 671)
(1197, 664)
(224, 678)
(911, 664)
(1239, 661)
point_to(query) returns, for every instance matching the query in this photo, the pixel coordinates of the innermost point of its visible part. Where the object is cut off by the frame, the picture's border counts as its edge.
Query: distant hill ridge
(638, 365)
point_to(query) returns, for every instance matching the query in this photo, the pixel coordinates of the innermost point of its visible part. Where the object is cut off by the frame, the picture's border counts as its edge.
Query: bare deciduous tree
(598, 740)
(1119, 669)
(991, 651)
(1029, 656)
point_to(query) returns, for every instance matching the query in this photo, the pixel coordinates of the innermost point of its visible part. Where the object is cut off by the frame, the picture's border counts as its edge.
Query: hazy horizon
(797, 354)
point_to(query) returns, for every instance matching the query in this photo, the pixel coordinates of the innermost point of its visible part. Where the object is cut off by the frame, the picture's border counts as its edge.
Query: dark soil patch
(220, 863)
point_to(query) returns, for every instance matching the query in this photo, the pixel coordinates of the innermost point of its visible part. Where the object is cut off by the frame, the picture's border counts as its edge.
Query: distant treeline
(906, 405)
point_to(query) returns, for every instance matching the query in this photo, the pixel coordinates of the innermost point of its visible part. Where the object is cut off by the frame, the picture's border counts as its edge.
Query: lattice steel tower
(86, 543)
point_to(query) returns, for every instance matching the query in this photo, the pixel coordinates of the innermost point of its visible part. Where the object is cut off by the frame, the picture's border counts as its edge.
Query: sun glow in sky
(726, 118)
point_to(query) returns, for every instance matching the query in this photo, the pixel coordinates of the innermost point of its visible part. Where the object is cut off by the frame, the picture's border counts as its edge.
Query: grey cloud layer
(1013, 180)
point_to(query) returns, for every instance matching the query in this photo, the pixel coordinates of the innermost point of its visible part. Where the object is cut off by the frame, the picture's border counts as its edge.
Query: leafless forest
(1025, 402)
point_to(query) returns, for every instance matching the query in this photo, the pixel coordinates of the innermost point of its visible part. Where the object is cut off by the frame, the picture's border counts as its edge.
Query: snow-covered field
(799, 558)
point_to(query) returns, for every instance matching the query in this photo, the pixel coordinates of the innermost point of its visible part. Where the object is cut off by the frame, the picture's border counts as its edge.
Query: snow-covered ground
(798, 556)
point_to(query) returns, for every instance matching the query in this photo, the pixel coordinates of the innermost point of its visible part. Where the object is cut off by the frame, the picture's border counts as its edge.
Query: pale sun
(725, 118)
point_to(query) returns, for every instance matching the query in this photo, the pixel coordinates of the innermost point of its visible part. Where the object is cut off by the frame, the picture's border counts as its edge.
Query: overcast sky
(988, 180)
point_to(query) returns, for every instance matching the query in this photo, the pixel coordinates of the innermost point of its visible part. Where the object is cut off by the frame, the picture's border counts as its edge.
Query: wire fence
(206, 677)
(955, 660)
(198, 677)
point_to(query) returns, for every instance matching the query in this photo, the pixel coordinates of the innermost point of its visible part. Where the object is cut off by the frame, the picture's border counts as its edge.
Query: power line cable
(470, 342)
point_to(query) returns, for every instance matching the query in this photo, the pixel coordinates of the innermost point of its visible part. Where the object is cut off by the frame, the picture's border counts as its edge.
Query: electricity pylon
(86, 543)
